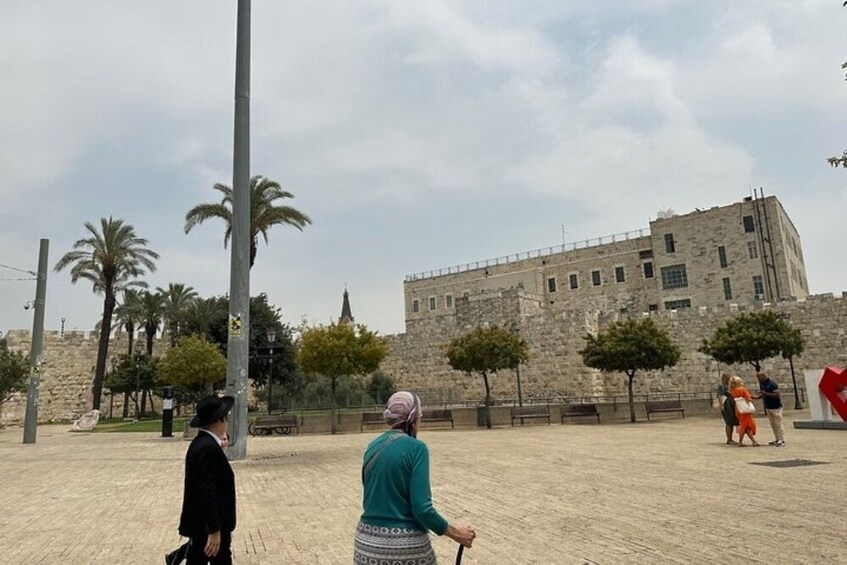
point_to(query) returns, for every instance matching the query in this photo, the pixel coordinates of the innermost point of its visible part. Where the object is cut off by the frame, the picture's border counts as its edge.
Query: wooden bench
(577, 410)
(665, 406)
(437, 416)
(267, 425)
(370, 419)
(529, 413)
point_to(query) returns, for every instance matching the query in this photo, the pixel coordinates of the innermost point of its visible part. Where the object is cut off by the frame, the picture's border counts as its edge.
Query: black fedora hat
(211, 409)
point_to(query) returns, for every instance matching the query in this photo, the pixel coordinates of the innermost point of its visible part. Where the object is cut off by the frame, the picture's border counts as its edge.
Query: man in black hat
(208, 504)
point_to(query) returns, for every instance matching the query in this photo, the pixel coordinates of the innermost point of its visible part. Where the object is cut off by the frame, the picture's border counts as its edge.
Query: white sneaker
(779, 443)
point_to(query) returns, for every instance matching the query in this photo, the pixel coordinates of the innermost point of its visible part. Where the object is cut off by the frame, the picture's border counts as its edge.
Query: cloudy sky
(417, 135)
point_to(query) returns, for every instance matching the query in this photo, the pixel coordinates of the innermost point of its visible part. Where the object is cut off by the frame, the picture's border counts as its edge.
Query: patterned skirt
(378, 545)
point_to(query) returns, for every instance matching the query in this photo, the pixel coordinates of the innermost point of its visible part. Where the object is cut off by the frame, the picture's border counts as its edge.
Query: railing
(541, 252)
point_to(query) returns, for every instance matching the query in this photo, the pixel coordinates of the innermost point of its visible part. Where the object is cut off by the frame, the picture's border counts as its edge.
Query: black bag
(178, 555)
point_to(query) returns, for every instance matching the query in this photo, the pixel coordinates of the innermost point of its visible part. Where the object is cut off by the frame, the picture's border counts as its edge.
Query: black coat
(208, 502)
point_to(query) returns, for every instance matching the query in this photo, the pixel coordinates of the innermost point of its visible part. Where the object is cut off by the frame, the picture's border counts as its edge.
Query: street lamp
(62, 332)
(271, 335)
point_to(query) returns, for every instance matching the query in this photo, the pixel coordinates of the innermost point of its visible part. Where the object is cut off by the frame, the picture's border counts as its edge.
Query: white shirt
(217, 439)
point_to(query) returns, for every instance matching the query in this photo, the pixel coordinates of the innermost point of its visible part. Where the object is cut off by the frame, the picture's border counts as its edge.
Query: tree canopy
(628, 346)
(264, 213)
(485, 351)
(193, 360)
(14, 371)
(340, 349)
(753, 337)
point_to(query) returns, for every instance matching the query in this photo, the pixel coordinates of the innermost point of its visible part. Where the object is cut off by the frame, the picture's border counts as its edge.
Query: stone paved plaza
(660, 492)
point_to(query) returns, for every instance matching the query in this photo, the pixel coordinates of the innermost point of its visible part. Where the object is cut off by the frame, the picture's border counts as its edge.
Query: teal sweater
(396, 487)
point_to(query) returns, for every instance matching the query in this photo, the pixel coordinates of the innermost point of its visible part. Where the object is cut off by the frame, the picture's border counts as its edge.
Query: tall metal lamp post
(271, 335)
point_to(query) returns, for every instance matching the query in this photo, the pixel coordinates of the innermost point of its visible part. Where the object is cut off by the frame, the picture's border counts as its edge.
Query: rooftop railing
(541, 252)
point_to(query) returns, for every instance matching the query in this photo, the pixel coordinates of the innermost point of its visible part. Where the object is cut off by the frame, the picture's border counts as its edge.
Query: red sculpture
(833, 385)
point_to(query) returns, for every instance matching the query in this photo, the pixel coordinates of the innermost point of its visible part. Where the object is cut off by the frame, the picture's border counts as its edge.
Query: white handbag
(744, 406)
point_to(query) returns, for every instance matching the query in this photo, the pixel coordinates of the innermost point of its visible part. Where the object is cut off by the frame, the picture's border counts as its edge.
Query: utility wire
(19, 270)
(35, 279)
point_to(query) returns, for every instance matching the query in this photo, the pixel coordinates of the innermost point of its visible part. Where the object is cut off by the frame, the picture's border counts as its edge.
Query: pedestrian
(727, 407)
(769, 393)
(208, 503)
(397, 502)
(746, 421)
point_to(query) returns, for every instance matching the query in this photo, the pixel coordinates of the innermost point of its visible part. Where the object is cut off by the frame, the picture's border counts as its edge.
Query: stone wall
(417, 361)
(66, 375)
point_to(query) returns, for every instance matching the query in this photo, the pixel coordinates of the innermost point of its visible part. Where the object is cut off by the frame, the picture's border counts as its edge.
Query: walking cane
(459, 554)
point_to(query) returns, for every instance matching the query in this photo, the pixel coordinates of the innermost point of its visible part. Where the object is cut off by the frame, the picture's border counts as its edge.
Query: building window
(670, 245)
(448, 300)
(674, 276)
(416, 305)
(727, 289)
(551, 284)
(619, 275)
(722, 256)
(646, 254)
(752, 250)
(432, 302)
(595, 278)
(648, 270)
(759, 287)
(573, 278)
(749, 226)
(653, 308)
(677, 304)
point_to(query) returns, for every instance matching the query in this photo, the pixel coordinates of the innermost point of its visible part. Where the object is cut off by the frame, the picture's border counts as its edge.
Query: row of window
(433, 303)
(596, 277)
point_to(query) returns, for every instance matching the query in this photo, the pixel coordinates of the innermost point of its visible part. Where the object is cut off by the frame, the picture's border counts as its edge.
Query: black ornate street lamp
(271, 335)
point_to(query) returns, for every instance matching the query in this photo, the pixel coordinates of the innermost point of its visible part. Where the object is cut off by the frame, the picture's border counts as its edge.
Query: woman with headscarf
(397, 501)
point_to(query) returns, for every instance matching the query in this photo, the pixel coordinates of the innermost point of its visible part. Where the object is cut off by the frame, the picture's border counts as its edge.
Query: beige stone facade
(689, 272)
(744, 253)
(66, 375)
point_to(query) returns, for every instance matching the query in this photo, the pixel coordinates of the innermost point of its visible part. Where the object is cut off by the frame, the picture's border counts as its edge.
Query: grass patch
(139, 426)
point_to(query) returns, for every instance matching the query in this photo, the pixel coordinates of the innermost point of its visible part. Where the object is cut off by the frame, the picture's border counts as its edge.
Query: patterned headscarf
(402, 408)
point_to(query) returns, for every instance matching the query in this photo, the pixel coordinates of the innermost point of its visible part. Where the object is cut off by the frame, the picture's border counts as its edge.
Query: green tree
(128, 315)
(206, 317)
(629, 346)
(133, 376)
(177, 298)
(264, 214)
(193, 361)
(112, 259)
(14, 371)
(486, 351)
(380, 387)
(753, 337)
(340, 349)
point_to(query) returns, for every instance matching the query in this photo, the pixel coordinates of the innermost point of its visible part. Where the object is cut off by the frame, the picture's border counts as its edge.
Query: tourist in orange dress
(746, 422)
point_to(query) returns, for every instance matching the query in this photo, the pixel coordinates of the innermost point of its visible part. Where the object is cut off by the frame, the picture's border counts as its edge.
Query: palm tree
(264, 214)
(177, 298)
(128, 315)
(112, 258)
(203, 314)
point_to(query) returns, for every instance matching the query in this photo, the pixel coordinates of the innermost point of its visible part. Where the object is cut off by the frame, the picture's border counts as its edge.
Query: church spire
(346, 312)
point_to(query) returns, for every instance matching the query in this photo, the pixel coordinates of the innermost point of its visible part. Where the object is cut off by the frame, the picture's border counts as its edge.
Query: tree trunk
(487, 401)
(126, 405)
(150, 336)
(172, 330)
(631, 400)
(757, 366)
(143, 402)
(103, 346)
(253, 245)
(130, 330)
(332, 406)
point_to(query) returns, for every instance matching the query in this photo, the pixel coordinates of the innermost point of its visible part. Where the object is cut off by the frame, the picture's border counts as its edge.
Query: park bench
(281, 424)
(370, 419)
(437, 416)
(578, 410)
(665, 406)
(529, 413)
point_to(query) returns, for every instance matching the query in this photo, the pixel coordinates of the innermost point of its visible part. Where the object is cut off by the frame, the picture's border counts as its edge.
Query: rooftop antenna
(564, 231)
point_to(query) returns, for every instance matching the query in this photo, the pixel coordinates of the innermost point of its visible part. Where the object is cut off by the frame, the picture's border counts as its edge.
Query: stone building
(689, 272)
(744, 253)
